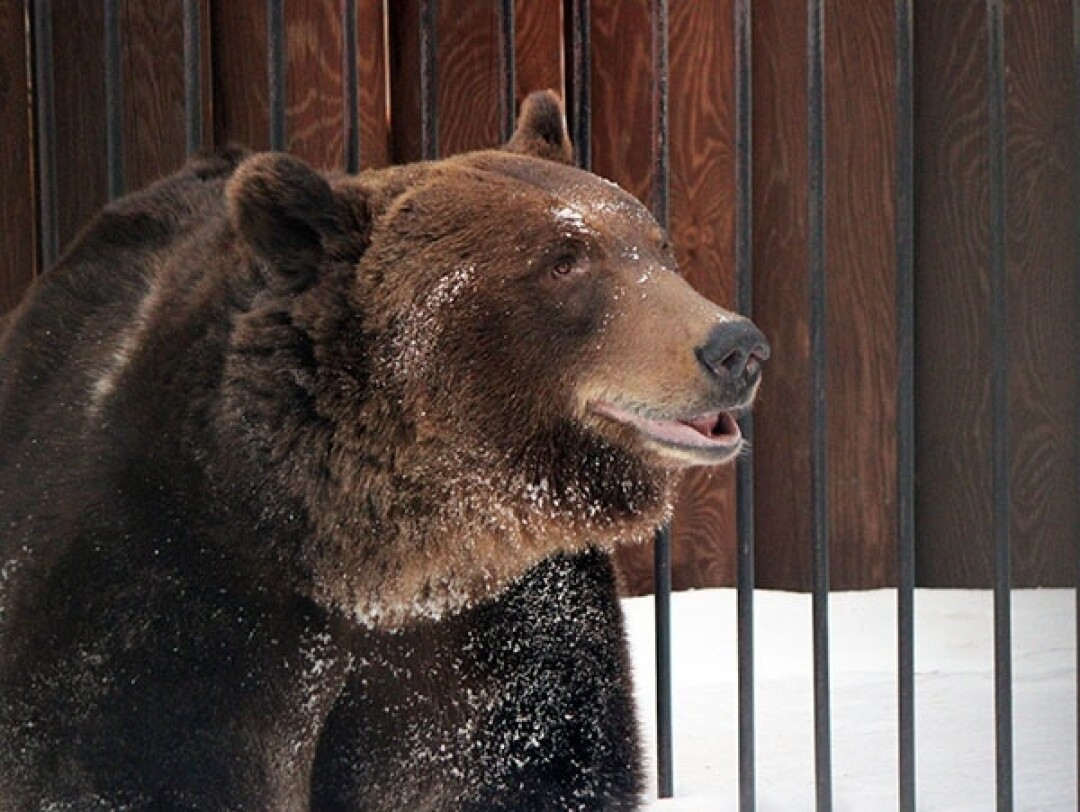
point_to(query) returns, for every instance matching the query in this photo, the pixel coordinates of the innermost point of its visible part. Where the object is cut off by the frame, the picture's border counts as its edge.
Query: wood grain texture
(781, 297)
(152, 71)
(952, 370)
(538, 40)
(372, 83)
(240, 91)
(1042, 292)
(861, 292)
(469, 75)
(314, 86)
(18, 250)
(78, 34)
(622, 151)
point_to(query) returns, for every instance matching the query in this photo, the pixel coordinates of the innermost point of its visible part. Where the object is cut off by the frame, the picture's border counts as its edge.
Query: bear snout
(733, 352)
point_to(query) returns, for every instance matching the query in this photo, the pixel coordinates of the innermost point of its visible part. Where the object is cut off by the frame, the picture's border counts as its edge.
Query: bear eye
(565, 267)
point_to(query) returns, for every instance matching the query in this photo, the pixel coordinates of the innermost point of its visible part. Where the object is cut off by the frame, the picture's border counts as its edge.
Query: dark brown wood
(861, 292)
(78, 35)
(372, 70)
(782, 415)
(240, 94)
(622, 151)
(152, 70)
(314, 87)
(952, 346)
(539, 47)
(17, 198)
(1044, 322)
(952, 369)
(469, 76)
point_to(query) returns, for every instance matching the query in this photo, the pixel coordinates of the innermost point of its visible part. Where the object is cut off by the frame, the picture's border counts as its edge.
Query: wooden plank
(781, 307)
(539, 47)
(702, 138)
(404, 61)
(17, 217)
(240, 93)
(952, 369)
(861, 276)
(620, 34)
(372, 67)
(314, 90)
(1042, 292)
(78, 35)
(469, 75)
(152, 70)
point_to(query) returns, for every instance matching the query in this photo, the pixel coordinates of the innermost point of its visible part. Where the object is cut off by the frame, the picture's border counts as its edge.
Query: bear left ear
(285, 211)
(541, 129)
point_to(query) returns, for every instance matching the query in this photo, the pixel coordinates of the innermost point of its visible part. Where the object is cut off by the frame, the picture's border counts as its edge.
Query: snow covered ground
(954, 699)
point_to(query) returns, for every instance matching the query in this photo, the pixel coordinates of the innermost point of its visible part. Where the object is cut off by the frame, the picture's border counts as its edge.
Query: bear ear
(286, 212)
(541, 129)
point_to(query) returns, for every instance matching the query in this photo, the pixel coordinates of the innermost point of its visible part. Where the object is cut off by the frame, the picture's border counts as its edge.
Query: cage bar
(507, 69)
(114, 102)
(1076, 263)
(580, 78)
(275, 64)
(193, 124)
(351, 119)
(661, 176)
(744, 467)
(429, 91)
(995, 47)
(819, 472)
(905, 405)
(45, 146)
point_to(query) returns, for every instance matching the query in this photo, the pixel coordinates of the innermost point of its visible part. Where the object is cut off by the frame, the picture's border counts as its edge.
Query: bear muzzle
(729, 363)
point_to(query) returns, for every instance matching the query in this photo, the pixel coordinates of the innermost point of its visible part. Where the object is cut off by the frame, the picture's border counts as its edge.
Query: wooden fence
(54, 121)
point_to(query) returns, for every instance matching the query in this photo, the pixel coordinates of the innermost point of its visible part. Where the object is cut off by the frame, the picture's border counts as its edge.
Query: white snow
(954, 699)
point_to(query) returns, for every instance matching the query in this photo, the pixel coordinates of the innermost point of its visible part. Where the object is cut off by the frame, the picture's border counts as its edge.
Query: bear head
(460, 367)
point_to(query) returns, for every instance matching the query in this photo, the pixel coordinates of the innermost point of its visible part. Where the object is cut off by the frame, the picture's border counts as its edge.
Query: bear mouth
(709, 438)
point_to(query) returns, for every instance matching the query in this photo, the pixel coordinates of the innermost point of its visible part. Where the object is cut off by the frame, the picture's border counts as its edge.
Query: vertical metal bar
(665, 779)
(507, 68)
(661, 174)
(193, 124)
(1076, 265)
(352, 97)
(995, 46)
(905, 406)
(815, 30)
(744, 468)
(275, 64)
(114, 102)
(45, 132)
(429, 90)
(580, 83)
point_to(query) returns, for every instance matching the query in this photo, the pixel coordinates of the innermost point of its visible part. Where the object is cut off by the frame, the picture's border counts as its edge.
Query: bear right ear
(286, 212)
(541, 129)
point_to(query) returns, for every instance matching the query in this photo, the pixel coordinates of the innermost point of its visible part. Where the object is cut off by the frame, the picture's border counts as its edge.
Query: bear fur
(308, 485)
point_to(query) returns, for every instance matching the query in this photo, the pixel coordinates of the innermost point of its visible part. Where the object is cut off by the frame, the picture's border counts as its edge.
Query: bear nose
(734, 349)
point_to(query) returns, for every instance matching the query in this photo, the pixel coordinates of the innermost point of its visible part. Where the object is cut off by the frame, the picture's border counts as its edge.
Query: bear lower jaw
(708, 438)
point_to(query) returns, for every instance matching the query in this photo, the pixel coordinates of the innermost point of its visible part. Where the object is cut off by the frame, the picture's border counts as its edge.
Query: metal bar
(507, 67)
(995, 46)
(45, 133)
(1076, 263)
(193, 123)
(114, 102)
(351, 118)
(905, 406)
(819, 473)
(661, 177)
(275, 64)
(580, 79)
(744, 468)
(664, 750)
(429, 90)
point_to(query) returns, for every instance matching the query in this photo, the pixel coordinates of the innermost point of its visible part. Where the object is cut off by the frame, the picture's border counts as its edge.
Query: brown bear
(308, 485)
